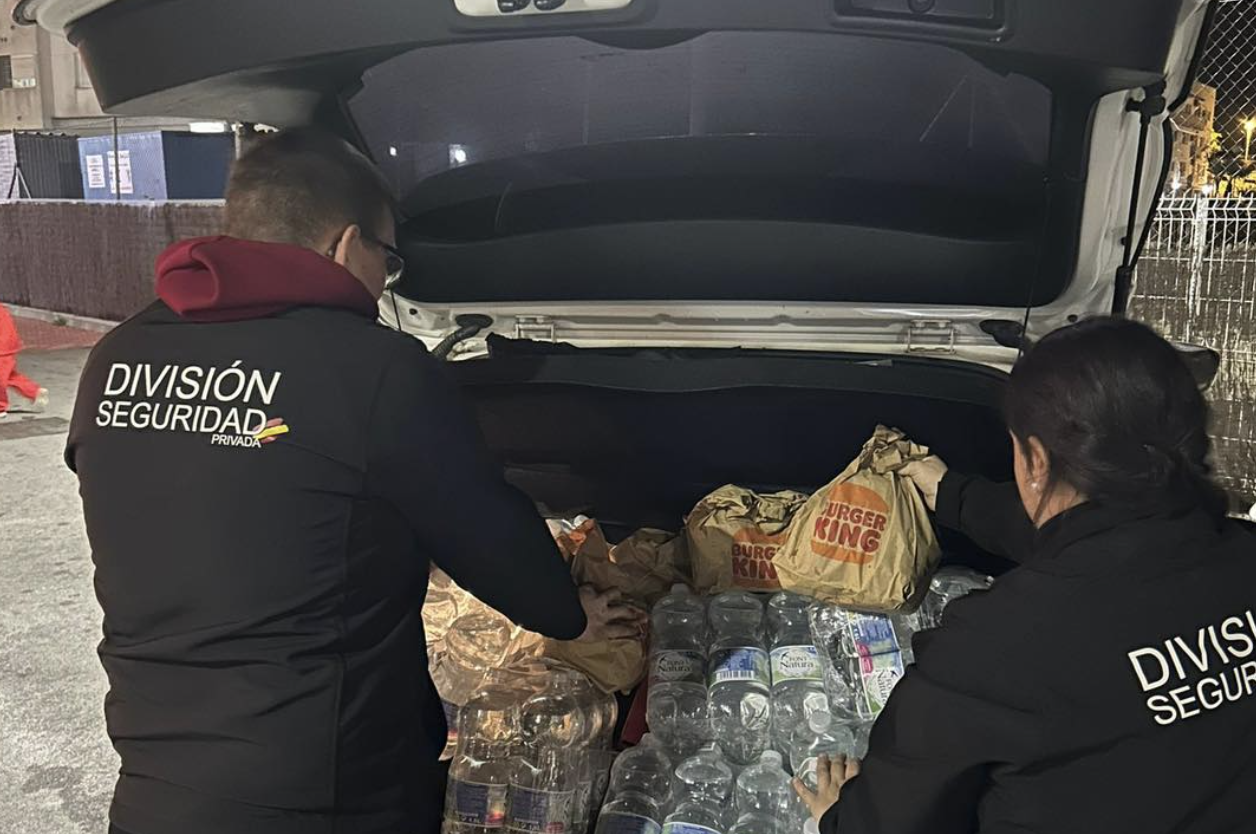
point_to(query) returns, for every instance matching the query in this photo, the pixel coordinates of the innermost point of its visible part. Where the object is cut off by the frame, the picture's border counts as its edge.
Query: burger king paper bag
(643, 567)
(733, 537)
(864, 541)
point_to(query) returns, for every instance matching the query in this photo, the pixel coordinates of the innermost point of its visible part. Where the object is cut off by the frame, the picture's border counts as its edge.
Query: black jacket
(262, 595)
(1105, 686)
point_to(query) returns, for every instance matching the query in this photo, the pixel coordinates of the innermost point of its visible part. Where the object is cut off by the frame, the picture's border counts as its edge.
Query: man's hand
(610, 618)
(831, 777)
(926, 475)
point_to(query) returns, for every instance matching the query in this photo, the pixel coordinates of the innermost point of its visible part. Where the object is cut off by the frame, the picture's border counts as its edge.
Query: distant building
(44, 85)
(1193, 140)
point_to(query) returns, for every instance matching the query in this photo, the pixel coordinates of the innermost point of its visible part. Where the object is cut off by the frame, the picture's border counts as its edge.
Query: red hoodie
(212, 279)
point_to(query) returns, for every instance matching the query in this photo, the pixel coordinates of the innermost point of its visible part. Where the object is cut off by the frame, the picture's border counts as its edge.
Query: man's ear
(344, 244)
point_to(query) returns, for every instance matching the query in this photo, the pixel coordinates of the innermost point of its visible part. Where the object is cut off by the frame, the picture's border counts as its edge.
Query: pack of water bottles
(650, 792)
(747, 688)
(532, 754)
(743, 691)
(740, 670)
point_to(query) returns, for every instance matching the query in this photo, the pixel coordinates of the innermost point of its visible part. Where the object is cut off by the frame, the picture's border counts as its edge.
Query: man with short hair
(267, 477)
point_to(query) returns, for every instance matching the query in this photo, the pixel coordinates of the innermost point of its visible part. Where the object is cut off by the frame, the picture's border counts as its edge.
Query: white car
(694, 242)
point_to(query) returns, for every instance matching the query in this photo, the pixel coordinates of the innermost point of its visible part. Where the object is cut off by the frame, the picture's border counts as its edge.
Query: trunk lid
(855, 175)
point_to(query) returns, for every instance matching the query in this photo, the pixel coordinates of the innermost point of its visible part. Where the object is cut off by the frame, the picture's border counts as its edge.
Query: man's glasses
(394, 263)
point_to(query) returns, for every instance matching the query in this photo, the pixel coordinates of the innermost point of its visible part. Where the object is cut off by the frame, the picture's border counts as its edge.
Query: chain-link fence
(1229, 68)
(1197, 280)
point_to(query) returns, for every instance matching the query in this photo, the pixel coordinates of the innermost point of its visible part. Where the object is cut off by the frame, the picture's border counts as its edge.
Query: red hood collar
(226, 279)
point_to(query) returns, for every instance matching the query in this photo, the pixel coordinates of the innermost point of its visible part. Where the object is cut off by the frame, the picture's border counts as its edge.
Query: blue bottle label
(545, 812)
(473, 803)
(744, 663)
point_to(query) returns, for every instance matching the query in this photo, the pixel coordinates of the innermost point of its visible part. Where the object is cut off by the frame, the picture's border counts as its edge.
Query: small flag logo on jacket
(273, 430)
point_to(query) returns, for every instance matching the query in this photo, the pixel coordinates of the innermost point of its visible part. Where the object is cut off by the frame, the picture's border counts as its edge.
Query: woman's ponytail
(1119, 414)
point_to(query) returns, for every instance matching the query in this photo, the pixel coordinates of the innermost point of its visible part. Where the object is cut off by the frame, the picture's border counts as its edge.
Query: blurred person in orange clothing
(27, 396)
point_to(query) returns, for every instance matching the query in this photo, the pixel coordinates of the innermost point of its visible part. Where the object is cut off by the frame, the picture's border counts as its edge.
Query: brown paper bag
(643, 567)
(864, 541)
(733, 536)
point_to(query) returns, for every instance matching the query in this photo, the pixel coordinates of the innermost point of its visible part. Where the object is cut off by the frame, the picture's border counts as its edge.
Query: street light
(1249, 127)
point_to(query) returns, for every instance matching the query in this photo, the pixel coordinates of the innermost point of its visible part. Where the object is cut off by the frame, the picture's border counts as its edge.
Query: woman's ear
(1039, 463)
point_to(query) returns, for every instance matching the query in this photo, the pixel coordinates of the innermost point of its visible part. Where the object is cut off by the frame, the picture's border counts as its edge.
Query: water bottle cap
(771, 757)
(680, 588)
(820, 721)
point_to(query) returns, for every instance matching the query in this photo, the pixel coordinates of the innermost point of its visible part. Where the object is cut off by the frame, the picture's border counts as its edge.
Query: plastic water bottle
(863, 733)
(739, 679)
(630, 813)
(483, 763)
(640, 788)
(905, 627)
(475, 644)
(676, 705)
(645, 768)
(947, 585)
(601, 756)
(861, 657)
(609, 708)
(589, 699)
(703, 786)
(758, 824)
(766, 801)
(821, 735)
(546, 774)
(797, 677)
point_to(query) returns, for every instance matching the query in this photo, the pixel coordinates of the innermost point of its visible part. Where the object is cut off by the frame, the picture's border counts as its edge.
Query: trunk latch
(534, 328)
(930, 336)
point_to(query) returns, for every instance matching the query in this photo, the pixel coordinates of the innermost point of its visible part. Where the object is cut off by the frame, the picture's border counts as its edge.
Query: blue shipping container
(158, 165)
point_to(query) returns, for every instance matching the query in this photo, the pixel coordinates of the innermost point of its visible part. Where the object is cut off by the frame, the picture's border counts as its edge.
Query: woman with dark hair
(1108, 683)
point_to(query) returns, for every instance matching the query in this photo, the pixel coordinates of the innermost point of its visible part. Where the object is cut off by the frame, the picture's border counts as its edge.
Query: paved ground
(56, 765)
(42, 335)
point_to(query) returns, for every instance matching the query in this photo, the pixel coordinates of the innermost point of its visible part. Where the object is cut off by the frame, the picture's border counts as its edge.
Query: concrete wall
(62, 98)
(92, 259)
(20, 109)
(67, 92)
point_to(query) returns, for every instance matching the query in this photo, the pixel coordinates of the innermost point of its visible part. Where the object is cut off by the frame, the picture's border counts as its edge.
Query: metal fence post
(1197, 246)
(117, 164)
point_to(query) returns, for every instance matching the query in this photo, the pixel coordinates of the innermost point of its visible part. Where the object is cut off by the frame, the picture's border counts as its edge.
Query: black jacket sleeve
(990, 514)
(427, 458)
(957, 717)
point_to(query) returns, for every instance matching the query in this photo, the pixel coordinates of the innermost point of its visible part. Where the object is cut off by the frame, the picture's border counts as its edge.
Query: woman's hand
(926, 475)
(831, 777)
(609, 616)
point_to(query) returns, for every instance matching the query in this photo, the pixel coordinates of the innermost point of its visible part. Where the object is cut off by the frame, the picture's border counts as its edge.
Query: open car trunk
(760, 228)
(635, 438)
